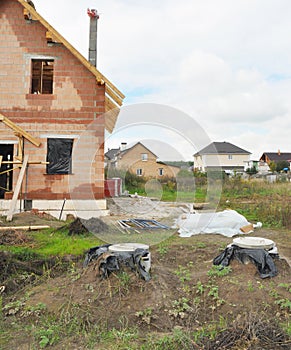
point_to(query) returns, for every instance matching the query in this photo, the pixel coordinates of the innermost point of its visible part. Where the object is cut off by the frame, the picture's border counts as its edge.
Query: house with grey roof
(276, 157)
(221, 156)
(139, 160)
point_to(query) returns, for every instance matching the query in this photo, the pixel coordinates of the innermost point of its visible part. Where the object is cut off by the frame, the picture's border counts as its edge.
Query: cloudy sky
(224, 63)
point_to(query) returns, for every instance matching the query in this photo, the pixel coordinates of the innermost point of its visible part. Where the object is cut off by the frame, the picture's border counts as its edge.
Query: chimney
(123, 146)
(279, 152)
(93, 14)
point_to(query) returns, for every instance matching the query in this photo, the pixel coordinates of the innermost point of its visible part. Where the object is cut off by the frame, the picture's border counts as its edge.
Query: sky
(226, 64)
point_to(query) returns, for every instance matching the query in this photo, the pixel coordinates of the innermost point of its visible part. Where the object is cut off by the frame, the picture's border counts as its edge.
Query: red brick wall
(76, 101)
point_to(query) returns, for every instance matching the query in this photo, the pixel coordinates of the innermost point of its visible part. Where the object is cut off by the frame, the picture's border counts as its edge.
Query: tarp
(227, 223)
(260, 257)
(108, 262)
(59, 156)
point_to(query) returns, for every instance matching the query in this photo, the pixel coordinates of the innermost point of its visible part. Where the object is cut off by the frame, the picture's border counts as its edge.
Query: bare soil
(179, 274)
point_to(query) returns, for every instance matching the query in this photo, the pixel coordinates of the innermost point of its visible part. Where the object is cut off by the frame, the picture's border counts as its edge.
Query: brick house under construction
(52, 118)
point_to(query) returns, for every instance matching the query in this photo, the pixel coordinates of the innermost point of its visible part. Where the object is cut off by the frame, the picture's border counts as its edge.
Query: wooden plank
(1, 157)
(17, 189)
(111, 93)
(111, 115)
(25, 228)
(19, 130)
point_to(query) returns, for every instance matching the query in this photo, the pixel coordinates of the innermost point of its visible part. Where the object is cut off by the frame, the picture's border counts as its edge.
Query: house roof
(221, 148)
(113, 96)
(138, 143)
(276, 156)
(111, 153)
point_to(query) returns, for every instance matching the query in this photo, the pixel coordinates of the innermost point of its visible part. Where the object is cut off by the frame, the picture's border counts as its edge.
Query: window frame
(42, 79)
(144, 157)
(139, 171)
(161, 171)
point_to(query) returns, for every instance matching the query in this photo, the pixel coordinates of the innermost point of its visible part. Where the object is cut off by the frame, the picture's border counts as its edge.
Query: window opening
(42, 76)
(59, 156)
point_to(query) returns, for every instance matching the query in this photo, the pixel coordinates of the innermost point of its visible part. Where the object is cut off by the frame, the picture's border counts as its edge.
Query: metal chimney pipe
(93, 14)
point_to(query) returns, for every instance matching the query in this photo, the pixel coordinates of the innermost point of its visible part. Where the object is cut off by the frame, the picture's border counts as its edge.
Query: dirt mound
(95, 225)
(13, 237)
(235, 310)
(82, 226)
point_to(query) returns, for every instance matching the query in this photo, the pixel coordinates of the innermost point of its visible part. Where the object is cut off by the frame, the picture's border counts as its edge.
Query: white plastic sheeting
(227, 223)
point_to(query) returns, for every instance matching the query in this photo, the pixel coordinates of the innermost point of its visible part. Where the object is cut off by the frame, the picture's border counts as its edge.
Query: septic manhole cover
(254, 242)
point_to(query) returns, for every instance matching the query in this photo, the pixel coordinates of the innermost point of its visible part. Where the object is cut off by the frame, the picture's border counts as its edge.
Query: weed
(286, 286)
(213, 292)
(47, 336)
(124, 280)
(13, 307)
(73, 272)
(145, 315)
(200, 289)
(184, 273)
(35, 310)
(201, 245)
(180, 308)
(163, 249)
(287, 328)
(273, 293)
(219, 271)
(284, 304)
(250, 286)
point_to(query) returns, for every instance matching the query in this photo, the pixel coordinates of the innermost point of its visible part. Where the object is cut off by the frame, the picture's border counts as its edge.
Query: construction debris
(141, 224)
(227, 223)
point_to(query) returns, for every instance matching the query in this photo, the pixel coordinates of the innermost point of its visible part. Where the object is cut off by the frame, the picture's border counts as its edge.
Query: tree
(282, 164)
(272, 166)
(252, 170)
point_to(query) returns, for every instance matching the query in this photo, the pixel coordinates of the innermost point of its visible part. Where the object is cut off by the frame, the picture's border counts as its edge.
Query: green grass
(54, 243)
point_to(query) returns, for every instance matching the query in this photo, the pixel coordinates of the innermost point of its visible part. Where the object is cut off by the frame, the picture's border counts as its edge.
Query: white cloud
(225, 61)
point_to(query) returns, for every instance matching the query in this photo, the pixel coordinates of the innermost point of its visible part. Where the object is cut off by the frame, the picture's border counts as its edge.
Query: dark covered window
(59, 156)
(42, 76)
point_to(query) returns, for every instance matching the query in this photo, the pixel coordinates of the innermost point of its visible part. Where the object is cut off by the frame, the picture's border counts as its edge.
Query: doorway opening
(6, 177)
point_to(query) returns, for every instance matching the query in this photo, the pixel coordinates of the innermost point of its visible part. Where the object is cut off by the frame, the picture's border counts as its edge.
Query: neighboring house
(261, 167)
(139, 160)
(52, 105)
(221, 155)
(275, 157)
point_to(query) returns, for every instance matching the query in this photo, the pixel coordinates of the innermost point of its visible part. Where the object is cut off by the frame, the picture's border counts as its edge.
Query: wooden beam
(110, 93)
(111, 115)
(20, 163)
(19, 130)
(50, 37)
(17, 189)
(26, 228)
(1, 157)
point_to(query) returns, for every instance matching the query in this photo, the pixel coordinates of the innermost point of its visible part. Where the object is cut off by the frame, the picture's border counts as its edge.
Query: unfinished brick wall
(77, 101)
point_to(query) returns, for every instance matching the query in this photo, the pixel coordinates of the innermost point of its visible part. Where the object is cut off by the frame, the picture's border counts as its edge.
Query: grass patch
(53, 243)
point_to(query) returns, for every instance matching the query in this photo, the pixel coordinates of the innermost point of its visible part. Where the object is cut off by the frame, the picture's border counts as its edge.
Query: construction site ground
(187, 304)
